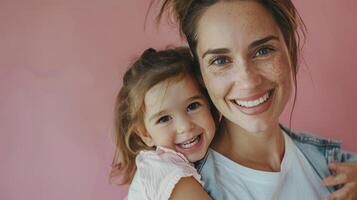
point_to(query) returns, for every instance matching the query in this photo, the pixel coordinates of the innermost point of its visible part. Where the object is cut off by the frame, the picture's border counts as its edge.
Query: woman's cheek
(278, 70)
(215, 85)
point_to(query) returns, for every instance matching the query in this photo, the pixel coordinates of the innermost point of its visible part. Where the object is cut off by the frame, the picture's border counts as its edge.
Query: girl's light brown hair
(151, 68)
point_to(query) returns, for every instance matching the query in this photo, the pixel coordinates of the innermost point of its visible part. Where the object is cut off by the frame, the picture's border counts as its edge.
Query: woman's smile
(254, 105)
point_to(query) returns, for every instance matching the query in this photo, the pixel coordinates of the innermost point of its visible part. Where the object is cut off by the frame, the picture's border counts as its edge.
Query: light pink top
(158, 172)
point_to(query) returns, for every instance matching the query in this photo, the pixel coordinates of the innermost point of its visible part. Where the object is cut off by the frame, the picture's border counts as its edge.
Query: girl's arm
(189, 188)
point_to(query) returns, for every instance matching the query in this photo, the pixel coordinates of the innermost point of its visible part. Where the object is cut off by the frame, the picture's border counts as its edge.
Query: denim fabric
(317, 150)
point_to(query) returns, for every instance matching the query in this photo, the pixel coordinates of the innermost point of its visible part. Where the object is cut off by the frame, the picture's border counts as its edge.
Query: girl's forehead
(173, 90)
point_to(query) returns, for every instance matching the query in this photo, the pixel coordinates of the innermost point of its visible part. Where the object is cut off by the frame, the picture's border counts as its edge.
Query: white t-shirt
(296, 180)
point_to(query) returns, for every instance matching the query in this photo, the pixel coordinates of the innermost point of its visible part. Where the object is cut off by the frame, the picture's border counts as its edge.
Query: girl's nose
(184, 125)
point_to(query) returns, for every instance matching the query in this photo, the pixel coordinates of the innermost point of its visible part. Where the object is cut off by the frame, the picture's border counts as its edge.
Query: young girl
(164, 122)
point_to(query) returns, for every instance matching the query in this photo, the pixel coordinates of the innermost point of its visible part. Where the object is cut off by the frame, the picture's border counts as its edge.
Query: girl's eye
(220, 60)
(193, 106)
(163, 119)
(263, 51)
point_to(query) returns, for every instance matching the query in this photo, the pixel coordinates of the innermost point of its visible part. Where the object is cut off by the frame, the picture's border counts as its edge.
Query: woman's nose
(247, 76)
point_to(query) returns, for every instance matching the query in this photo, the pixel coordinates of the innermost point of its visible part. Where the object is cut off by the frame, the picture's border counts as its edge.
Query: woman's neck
(261, 151)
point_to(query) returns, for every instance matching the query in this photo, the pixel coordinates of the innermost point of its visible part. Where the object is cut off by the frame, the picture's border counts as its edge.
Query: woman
(248, 56)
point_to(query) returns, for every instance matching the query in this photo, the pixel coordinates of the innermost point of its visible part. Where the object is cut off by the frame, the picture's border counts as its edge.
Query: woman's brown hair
(151, 68)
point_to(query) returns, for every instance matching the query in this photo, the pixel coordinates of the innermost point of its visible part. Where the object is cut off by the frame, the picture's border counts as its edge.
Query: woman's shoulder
(311, 139)
(311, 144)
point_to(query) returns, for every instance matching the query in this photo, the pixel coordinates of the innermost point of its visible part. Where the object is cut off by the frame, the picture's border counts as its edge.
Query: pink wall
(60, 69)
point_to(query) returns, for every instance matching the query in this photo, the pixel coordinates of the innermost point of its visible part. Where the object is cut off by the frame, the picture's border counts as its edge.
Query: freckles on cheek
(280, 70)
(277, 72)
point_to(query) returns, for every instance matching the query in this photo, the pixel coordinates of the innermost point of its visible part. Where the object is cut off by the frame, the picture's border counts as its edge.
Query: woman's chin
(258, 126)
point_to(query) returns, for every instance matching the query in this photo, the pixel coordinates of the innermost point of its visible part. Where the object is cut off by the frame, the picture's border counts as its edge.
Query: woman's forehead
(243, 21)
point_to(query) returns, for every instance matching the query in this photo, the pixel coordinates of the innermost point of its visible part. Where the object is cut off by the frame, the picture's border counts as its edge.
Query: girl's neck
(260, 151)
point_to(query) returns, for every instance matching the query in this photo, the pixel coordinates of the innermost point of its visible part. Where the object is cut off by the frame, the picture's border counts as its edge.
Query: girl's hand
(346, 175)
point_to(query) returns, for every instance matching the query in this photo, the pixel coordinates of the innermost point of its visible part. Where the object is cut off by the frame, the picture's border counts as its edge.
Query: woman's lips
(256, 104)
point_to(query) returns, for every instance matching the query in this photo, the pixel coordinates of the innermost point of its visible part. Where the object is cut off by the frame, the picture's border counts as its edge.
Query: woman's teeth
(249, 104)
(189, 143)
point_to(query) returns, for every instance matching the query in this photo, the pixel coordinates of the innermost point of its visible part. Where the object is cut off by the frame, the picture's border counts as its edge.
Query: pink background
(60, 69)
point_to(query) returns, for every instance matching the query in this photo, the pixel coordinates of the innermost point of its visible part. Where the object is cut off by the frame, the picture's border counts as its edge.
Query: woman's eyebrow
(252, 45)
(262, 41)
(215, 51)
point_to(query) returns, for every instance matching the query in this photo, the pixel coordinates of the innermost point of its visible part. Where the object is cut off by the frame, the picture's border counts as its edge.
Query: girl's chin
(195, 156)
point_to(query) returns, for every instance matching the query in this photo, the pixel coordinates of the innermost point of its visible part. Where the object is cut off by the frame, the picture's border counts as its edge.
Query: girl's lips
(192, 148)
(257, 109)
(188, 140)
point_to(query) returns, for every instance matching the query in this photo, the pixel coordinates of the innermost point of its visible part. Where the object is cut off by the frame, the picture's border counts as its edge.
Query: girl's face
(244, 63)
(178, 117)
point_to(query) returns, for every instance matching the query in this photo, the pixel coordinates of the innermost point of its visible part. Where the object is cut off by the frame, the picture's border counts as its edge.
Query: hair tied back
(148, 52)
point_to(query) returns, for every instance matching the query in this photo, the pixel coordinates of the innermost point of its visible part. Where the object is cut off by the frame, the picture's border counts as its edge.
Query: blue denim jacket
(317, 150)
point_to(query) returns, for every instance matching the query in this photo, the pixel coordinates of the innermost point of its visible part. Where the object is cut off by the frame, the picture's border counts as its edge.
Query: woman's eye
(263, 52)
(219, 61)
(163, 119)
(193, 106)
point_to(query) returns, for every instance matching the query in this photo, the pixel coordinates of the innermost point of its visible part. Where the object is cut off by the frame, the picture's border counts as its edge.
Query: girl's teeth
(253, 103)
(190, 143)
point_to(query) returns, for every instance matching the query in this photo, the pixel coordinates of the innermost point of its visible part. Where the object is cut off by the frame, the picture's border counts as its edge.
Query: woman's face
(244, 63)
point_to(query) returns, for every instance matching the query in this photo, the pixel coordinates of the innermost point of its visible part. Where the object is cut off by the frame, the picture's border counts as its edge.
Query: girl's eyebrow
(152, 117)
(161, 112)
(199, 96)
(252, 45)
